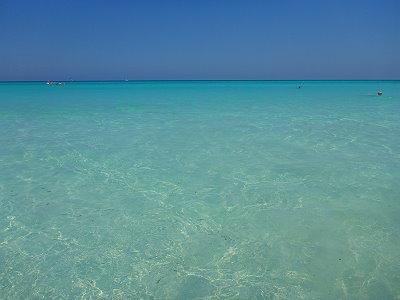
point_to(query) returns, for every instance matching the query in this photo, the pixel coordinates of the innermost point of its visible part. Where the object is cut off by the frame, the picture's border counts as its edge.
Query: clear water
(185, 190)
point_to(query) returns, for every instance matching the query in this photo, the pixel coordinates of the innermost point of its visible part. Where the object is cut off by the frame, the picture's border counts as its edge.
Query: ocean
(200, 190)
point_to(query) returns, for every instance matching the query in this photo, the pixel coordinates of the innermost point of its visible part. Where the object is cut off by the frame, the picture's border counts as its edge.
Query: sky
(199, 39)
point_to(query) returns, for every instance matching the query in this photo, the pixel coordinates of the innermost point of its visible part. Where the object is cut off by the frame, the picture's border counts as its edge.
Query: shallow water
(184, 190)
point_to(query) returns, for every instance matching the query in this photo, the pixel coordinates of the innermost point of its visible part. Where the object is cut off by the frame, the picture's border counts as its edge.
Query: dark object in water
(299, 87)
(379, 93)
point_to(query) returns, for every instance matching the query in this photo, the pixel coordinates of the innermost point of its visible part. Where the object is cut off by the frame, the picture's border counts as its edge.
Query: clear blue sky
(149, 39)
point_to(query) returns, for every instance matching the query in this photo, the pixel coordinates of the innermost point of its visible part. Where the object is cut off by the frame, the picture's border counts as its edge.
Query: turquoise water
(186, 190)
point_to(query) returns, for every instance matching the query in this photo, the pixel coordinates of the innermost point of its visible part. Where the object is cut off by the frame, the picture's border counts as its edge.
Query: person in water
(379, 93)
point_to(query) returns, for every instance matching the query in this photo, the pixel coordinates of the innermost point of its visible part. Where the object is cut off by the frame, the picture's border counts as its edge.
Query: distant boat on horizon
(52, 82)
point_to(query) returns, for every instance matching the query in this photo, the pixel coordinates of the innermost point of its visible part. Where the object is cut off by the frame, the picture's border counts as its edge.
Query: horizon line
(144, 80)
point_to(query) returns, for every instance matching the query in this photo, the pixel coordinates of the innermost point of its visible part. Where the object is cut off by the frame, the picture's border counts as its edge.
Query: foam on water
(183, 190)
